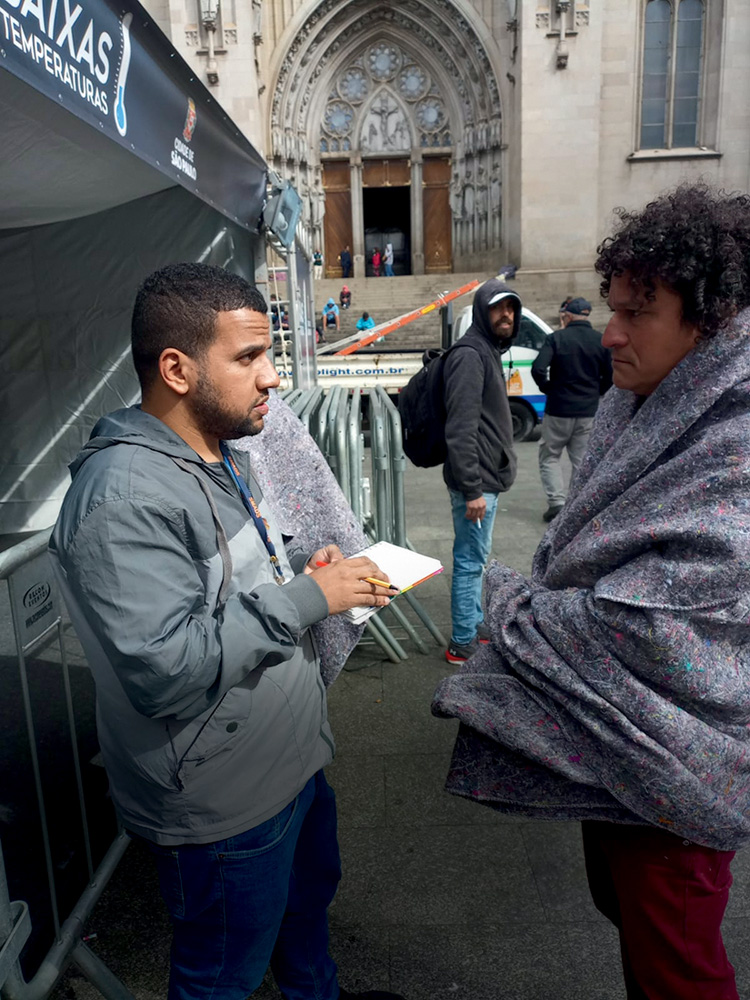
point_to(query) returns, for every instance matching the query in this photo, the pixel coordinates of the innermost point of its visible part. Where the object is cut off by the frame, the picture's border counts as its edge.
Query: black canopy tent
(115, 160)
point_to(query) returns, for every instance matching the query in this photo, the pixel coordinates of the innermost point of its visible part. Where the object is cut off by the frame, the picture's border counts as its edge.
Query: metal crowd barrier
(335, 422)
(35, 612)
(389, 467)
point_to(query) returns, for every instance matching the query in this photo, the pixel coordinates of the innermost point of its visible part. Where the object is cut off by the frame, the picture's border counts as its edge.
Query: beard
(215, 419)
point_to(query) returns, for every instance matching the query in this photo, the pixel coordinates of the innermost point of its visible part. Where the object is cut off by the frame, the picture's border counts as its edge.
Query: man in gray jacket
(194, 614)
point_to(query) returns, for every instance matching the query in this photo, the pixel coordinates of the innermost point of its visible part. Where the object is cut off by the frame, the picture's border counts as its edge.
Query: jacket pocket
(217, 733)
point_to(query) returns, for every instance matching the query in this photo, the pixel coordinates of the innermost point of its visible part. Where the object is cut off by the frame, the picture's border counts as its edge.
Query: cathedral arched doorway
(390, 122)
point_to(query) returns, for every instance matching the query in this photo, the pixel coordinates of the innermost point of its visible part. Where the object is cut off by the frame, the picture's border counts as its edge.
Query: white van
(526, 401)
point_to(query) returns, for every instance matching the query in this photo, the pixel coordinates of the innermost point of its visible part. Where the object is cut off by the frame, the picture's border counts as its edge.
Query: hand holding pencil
(349, 583)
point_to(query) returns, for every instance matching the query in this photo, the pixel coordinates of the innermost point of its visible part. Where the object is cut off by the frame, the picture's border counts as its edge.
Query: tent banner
(109, 64)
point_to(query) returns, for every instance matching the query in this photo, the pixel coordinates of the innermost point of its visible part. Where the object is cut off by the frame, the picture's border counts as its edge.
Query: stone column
(358, 216)
(417, 214)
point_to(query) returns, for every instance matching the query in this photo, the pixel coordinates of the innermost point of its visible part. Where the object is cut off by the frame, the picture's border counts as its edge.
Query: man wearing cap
(573, 370)
(481, 462)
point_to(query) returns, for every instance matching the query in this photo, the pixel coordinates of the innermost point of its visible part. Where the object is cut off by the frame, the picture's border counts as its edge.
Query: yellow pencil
(381, 583)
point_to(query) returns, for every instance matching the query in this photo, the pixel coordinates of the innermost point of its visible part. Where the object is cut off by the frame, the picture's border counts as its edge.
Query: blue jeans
(471, 550)
(389, 270)
(258, 898)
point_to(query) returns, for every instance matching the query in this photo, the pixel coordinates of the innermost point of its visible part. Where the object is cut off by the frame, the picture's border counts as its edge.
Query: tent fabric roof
(55, 167)
(98, 109)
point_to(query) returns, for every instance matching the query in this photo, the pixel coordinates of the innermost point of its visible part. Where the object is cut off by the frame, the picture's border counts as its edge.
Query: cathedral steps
(385, 298)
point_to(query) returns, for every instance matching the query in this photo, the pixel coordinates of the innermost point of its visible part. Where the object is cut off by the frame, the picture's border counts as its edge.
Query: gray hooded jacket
(211, 712)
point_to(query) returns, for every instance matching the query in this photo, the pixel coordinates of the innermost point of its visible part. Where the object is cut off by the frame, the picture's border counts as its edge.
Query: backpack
(422, 408)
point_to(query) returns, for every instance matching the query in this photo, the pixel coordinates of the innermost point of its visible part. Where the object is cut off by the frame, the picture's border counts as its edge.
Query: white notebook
(403, 567)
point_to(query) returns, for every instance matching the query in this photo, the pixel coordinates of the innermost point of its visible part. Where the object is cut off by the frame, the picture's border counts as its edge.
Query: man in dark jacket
(345, 259)
(481, 462)
(573, 370)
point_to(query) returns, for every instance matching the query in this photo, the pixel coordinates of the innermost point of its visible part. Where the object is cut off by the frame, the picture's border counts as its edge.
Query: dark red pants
(667, 897)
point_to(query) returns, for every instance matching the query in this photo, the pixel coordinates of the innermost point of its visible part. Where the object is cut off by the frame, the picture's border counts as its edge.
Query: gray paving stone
(436, 875)
(359, 783)
(556, 857)
(415, 794)
(392, 715)
(739, 898)
(508, 961)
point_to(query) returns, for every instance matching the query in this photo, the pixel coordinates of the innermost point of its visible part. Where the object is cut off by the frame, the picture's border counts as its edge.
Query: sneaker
(369, 995)
(483, 633)
(551, 512)
(456, 653)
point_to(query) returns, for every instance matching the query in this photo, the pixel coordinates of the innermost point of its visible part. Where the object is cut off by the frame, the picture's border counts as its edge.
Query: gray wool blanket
(309, 505)
(617, 683)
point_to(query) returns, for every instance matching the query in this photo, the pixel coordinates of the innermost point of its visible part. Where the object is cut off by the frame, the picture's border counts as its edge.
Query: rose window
(338, 118)
(430, 114)
(383, 61)
(413, 83)
(354, 85)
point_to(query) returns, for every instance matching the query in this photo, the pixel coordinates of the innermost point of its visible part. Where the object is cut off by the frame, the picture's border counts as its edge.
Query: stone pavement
(441, 899)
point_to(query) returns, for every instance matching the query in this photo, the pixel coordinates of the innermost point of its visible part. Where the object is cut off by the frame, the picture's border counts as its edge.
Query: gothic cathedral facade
(471, 134)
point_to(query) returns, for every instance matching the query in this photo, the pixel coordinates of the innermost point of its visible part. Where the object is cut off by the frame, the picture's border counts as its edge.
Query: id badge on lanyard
(253, 510)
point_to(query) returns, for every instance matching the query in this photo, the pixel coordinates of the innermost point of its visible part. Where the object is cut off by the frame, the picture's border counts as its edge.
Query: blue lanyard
(252, 509)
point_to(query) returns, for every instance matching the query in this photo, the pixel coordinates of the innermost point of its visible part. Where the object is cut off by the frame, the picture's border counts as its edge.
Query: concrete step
(386, 298)
(541, 291)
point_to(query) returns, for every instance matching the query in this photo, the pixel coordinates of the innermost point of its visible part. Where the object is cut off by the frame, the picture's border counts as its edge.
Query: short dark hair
(177, 306)
(695, 239)
(365, 315)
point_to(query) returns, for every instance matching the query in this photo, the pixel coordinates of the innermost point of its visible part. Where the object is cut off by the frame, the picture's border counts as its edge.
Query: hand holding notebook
(405, 569)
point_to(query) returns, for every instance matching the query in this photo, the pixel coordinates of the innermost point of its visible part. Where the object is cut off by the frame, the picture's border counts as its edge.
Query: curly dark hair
(696, 239)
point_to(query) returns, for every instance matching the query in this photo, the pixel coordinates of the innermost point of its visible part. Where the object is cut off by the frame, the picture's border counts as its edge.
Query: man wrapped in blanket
(616, 689)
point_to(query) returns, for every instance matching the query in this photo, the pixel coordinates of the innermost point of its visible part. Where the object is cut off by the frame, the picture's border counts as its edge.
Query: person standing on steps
(573, 370)
(481, 461)
(388, 260)
(345, 259)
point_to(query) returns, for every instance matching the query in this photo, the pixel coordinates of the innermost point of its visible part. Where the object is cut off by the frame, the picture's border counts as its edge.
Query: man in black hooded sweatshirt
(481, 461)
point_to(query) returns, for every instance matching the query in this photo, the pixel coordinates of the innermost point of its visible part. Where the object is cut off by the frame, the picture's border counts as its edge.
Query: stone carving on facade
(384, 127)
(582, 18)
(496, 202)
(468, 139)
(542, 20)
(468, 205)
(257, 21)
(191, 38)
(446, 25)
(496, 132)
(455, 201)
(481, 207)
(304, 193)
(318, 202)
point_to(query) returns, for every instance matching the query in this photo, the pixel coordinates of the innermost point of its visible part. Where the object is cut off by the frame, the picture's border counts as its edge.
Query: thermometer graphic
(121, 118)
